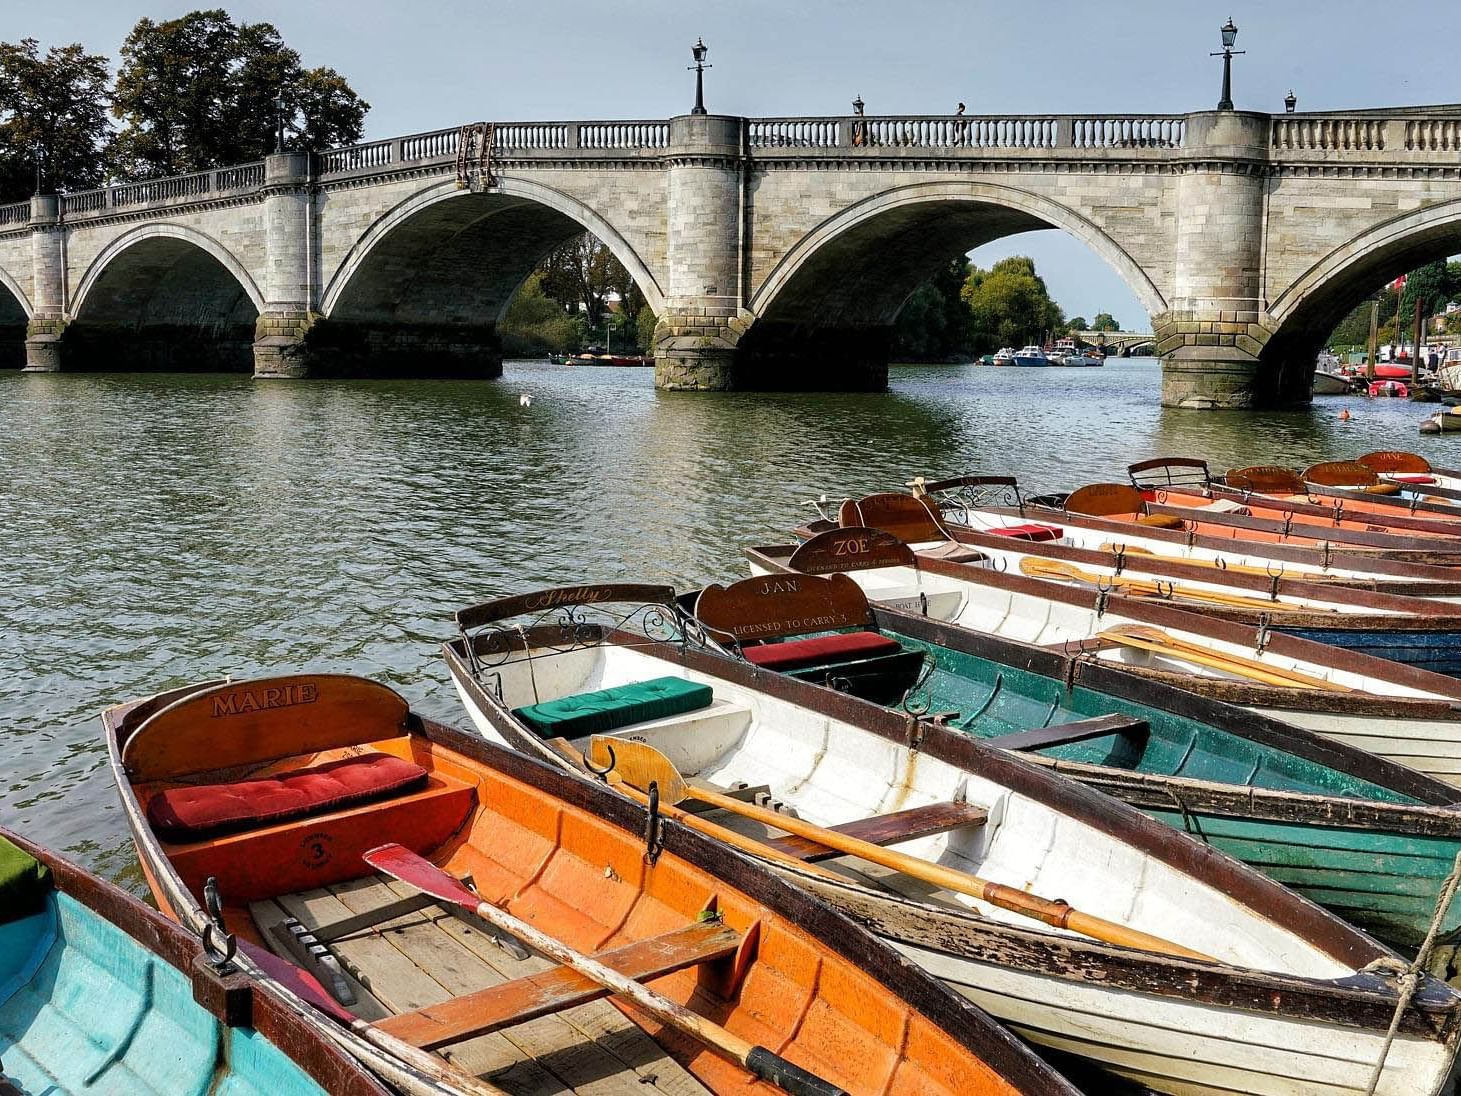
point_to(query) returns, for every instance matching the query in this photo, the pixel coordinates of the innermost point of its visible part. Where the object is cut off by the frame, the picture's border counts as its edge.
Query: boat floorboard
(426, 957)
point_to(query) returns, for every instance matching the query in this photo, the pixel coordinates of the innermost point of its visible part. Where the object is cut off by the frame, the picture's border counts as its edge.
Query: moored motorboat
(100, 994)
(545, 672)
(1005, 355)
(1367, 838)
(1327, 383)
(280, 789)
(1030, 356)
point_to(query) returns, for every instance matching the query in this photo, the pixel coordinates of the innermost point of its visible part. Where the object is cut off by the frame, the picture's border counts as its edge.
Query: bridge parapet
(175, 189)
(1042, 132)
(1384, 136)
(17, 213)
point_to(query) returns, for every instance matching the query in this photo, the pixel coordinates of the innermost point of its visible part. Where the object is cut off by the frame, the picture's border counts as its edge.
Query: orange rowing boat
(278, 788)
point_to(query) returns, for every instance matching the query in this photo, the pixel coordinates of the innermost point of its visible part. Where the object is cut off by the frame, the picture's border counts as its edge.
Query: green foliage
(1010, 305)
(1104, 321)
(933, 324)
(199, 91)
(1077, 323)
(644, 321)
(583, 273)
(57, 103)
(535, 324)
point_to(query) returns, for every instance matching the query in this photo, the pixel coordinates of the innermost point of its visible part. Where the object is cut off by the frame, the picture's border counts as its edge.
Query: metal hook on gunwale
(602, 774)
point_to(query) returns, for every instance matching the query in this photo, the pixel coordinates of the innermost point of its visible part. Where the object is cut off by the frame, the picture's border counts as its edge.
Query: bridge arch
(15, 312)
(924, 225)
(1305, 313)
(452, 226)
(164, 296)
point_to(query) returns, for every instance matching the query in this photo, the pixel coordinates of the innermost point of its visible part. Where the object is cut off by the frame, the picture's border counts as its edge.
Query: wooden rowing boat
(1416, 631)
(1413, 473)
(994, 505)
(1342, 492)
(1287, 1005)
(99, 993)
(1367, 838)
(280, 788)
(1391, 709)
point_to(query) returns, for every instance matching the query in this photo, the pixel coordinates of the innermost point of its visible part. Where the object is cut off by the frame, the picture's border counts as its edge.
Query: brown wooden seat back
(853, 548)
(1099, 500)
(1169, 472)
(1340, 473)
(253, 722)
(1395, 460)
(1266, 479)
(776, 606)
(909, 519)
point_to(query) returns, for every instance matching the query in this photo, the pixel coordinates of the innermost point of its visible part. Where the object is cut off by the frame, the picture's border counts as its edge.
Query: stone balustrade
(217, 183)
(1388, 134)
(1391, 134)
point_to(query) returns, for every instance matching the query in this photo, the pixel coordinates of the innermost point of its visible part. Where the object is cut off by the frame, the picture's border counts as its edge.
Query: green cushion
(24, 883)
(607, 709)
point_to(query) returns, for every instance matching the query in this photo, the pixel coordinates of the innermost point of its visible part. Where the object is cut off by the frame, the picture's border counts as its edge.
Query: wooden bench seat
(888, 829)
(1065, 733)
(559, 988)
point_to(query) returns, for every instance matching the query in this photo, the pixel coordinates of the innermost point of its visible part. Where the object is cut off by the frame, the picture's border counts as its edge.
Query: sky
(431, 64)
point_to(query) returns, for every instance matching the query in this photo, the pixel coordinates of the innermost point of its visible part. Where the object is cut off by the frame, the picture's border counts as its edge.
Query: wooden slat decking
(430, 956)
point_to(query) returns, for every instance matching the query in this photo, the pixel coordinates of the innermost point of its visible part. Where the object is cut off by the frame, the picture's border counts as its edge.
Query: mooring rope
(1410, 980)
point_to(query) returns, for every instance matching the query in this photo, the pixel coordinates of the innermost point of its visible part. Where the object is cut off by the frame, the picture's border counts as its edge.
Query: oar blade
(401, 863)
(639, 765)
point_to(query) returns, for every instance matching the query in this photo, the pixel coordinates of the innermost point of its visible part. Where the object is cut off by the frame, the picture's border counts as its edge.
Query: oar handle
(772, 1067)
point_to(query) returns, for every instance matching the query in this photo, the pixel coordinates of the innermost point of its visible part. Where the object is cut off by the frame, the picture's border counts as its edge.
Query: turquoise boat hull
(84, 1008)
(1363, 837)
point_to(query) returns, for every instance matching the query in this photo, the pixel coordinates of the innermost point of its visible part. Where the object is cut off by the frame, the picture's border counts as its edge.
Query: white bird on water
(525, 400)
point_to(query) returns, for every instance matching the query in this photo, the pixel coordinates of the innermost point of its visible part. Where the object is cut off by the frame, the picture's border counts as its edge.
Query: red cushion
(797, 654)
(1030, 532)
(205, 810)
(1411, 477)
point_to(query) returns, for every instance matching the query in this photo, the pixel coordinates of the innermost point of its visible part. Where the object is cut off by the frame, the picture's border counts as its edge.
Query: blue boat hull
(84, 1008)
(1439, 652)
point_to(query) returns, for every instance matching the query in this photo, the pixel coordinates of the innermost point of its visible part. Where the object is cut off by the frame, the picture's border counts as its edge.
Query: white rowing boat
(1400, 712)
(1287, 1005)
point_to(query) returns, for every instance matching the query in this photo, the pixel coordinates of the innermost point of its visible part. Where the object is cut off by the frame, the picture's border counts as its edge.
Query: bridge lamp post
(279, 123)
(698, 51)
(1230, 35)
(40, 161)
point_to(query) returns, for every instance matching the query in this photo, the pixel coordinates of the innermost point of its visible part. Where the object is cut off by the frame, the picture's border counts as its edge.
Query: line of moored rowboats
(1160, 778)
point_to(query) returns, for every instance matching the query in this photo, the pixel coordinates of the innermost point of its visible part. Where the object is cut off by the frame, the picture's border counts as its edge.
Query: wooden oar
(1154, 639)
(401, 863)
(640, 764)
(305, 987)
(1037, 567)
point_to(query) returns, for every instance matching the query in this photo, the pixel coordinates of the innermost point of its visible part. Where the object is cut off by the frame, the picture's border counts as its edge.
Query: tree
(1104, 321)
(56, 103)
(1077, 323)
(535, 324)
(933, 323)
(1429, 286)
(199, 91)
(1010, 304)
(584, 274)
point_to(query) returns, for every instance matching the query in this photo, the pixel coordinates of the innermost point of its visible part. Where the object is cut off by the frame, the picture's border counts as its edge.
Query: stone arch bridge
(775, 252)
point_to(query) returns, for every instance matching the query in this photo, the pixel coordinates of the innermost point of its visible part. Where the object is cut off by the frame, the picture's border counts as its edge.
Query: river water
(160, 529)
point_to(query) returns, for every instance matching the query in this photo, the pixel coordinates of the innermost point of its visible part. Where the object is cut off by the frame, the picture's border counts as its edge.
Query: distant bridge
(775, 251)
(1125, 343)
